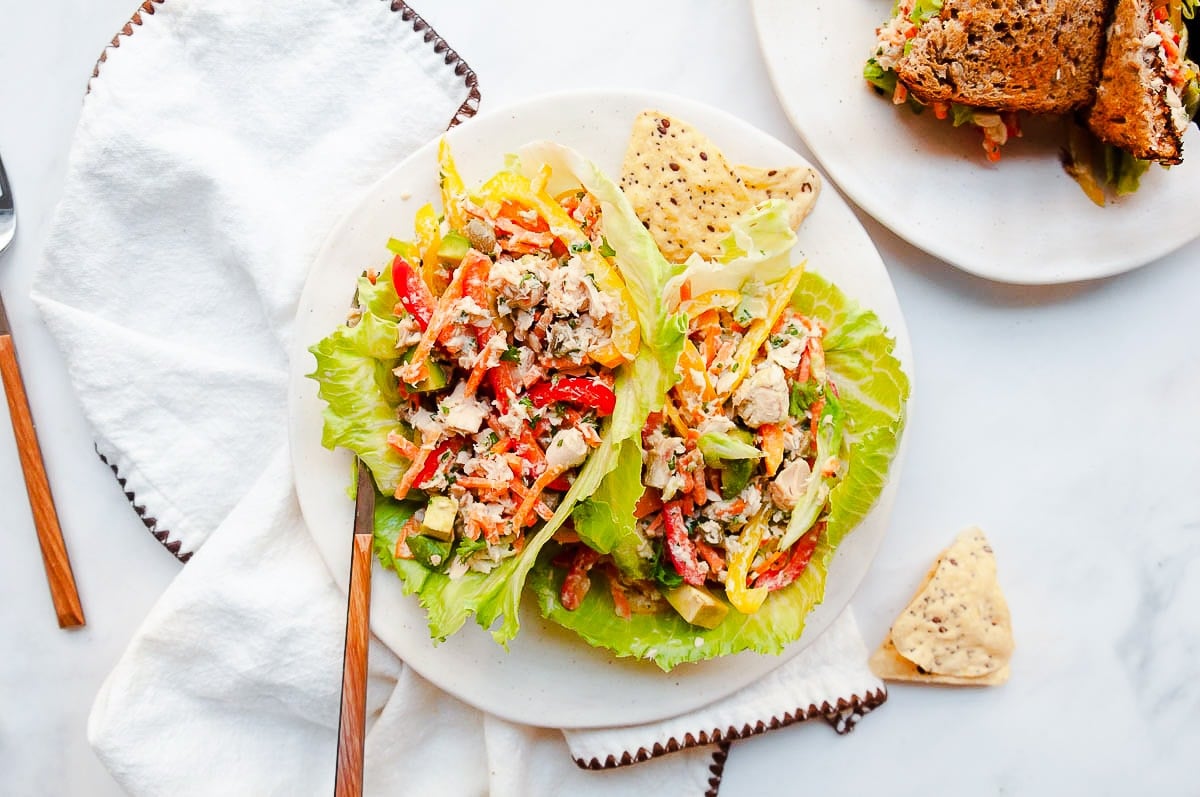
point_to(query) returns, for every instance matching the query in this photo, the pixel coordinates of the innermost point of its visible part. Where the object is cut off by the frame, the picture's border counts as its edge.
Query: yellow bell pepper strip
(724, 299)
(695, 383)
(452, 187)
(779, 296)
(681, 428)
(429, 238)
(508, 186)
(743, 598)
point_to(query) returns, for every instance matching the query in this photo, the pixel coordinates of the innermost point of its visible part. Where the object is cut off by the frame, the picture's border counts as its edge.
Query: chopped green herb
(466, 548)
(582, 246)
(511, 355)
(606, 250)
(665, 574)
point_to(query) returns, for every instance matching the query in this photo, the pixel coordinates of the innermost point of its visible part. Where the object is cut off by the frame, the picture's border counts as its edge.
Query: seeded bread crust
(1131, 109)
(1042, 56)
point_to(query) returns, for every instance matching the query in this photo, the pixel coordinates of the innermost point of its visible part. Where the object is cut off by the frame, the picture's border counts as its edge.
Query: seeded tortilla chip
(796, 185)
(888, 664)
(681, 186)
(957, 629)
(688, 195)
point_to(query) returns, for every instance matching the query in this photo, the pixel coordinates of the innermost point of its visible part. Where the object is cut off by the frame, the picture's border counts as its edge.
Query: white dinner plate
(1021, 220)
(549, 677)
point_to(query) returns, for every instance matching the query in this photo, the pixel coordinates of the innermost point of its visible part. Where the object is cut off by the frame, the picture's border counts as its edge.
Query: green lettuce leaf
(873, 392)
(360, 395)
(758, 248)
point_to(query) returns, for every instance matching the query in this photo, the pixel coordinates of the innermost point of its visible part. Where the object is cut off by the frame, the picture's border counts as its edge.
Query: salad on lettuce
(665, 453)
(486, 375)
(775, 442)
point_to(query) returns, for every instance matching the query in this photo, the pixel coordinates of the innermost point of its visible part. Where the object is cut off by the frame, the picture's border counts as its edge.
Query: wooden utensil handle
(352, 725)
(54, 551)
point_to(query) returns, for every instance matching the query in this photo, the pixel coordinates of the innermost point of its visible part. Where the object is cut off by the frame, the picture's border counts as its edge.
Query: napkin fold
(219, 142)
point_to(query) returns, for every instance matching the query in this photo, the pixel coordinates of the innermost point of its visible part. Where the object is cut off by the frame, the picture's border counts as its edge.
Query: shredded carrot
(772, 446)
(619, 599)
(517, 463)
(478, 372)
(767, 564)
(518, 544)
(521, 516)
(803, 370)
(815, 410)
(735, 508)
(716, 562)
(491, 531)
(471, 528)
(402, 551)
(685, 291)
(700, 491)
(414, 469)
(405, 447)
(651, 501)
(543, 511)
(502, 447)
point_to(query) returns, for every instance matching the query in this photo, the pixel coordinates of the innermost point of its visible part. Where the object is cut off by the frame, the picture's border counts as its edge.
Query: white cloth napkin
(215, 150)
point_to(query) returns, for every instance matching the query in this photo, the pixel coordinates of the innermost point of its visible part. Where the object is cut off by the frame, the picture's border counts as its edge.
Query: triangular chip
(796, 185)
(958, 625)
(681, 186)
(888, 664)
(688, 195)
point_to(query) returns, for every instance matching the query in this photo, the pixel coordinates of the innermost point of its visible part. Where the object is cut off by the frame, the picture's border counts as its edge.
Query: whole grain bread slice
(1042, 56)
(1131, 109)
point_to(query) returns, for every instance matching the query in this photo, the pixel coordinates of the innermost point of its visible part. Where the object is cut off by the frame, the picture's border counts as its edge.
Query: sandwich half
(1010, 55)
(1146, 82)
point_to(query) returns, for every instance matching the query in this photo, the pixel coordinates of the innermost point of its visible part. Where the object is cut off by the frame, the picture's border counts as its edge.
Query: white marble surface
(1065, 421)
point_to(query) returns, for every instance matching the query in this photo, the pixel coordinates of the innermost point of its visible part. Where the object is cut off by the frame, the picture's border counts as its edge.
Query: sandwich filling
(1168, 46)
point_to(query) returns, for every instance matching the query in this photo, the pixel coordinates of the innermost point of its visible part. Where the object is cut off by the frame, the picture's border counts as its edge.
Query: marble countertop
(1063, 420)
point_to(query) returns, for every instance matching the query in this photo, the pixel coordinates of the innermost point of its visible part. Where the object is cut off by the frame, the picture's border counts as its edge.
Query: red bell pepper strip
(681, 551)
(802, 553)
(435, 460)
(576, 583)
(578, 390)
(503, 384)
(413, 292)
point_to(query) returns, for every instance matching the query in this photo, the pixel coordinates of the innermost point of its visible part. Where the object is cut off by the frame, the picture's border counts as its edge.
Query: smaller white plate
(1022, 220)
(550, 677)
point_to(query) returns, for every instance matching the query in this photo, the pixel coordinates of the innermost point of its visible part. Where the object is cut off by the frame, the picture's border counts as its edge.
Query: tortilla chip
(957, 626)
(688, 195)
(796, 185)
(681, 186)
(888, 664)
